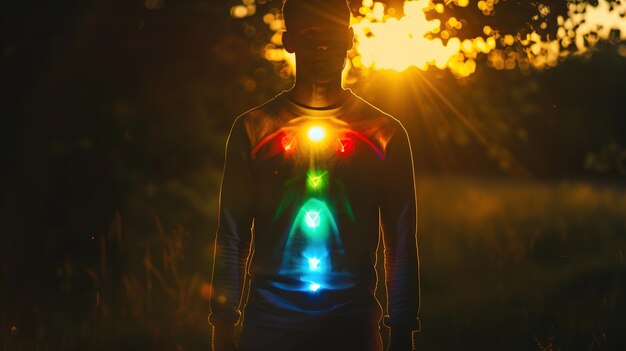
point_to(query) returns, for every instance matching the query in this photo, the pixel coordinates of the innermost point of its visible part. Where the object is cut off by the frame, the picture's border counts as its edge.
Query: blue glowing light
(314, 286)
(314, 263)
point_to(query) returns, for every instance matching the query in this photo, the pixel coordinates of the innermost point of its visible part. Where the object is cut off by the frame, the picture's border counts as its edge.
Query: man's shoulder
(372, 115)
(259, 120)
(269, 107)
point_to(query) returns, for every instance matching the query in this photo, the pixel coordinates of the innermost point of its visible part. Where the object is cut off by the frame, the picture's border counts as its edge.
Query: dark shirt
(303, 196)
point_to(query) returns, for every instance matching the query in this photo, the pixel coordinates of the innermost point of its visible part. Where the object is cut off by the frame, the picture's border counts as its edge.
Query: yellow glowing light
(397, 44)
(316, 133)
(509, 40)
(239, 11)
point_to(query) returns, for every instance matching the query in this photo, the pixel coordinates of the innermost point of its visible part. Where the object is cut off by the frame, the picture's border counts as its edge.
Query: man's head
(333, 11)
(319, 33)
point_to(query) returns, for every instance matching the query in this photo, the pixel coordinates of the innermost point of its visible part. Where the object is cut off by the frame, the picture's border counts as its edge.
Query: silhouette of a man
(311, 177)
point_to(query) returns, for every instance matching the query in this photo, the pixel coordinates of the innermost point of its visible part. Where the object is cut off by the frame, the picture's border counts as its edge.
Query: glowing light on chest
(314, 286)
(313, 139)
(312, 219)
(288, 143)
(316, 134)
(314, 243)
(345, 145)
(314, 263)
(316, 179)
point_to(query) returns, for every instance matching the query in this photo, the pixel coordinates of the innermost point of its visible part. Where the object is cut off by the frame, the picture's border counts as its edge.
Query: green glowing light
(312, 219)
(315, 179)
(316, 133)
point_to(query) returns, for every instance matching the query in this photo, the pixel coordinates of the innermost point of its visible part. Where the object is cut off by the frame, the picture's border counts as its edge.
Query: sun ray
(519, 168)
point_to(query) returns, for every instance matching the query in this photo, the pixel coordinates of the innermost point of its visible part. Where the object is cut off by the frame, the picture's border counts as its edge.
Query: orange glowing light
(206, 290)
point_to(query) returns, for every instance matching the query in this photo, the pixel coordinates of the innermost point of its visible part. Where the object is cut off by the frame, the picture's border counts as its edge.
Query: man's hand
(401, 339)
(224, 338)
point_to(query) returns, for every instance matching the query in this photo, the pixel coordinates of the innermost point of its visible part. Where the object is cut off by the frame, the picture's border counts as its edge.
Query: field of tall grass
(522, 265)
(505, 265)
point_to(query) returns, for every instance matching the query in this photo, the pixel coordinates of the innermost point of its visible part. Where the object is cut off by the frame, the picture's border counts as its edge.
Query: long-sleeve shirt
(304, 196)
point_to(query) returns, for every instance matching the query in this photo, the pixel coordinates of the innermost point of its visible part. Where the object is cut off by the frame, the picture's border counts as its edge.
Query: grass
(506, 265)
(521, 265)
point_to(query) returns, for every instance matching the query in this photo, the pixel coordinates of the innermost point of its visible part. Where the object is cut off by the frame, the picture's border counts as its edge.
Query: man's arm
(398, 214)
(232, 241)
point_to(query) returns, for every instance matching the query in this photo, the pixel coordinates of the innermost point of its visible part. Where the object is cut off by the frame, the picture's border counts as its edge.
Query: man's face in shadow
(320, 44)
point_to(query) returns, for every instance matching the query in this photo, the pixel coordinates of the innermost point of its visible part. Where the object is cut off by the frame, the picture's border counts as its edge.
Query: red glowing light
(288, 143)
(345, 145)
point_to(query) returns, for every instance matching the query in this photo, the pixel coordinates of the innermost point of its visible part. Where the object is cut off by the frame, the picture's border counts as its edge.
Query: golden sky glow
(387, 42)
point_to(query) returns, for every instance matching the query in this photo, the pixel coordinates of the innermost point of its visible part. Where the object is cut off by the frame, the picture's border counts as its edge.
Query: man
(310, 178)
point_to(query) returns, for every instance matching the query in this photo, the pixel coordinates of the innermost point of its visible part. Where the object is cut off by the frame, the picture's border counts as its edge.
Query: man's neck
(316, 93)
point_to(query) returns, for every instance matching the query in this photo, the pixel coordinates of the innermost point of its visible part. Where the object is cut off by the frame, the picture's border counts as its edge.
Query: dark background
(114, 120)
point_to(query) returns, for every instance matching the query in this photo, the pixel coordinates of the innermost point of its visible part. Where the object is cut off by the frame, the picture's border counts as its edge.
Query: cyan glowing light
(312, 219)
(315, 220)
(314, 286)
(316, 133)
(314, 263)
(313, 232)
